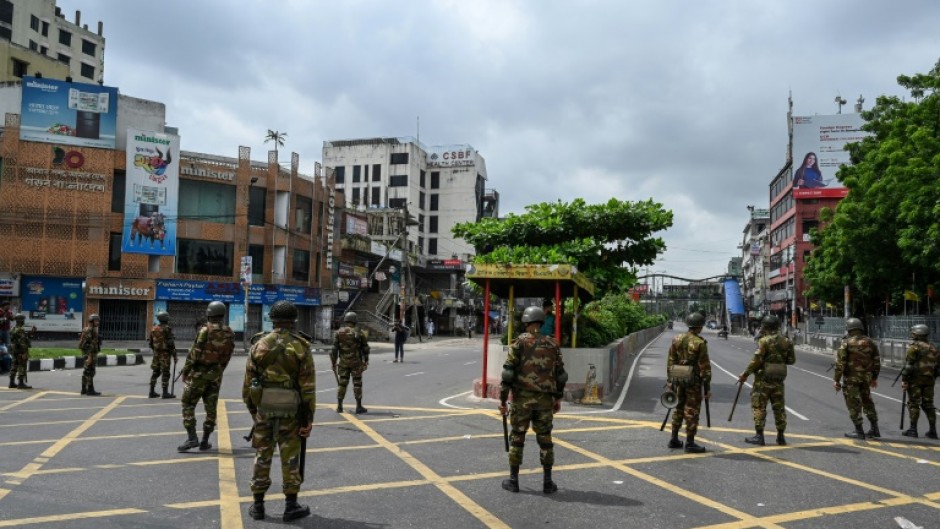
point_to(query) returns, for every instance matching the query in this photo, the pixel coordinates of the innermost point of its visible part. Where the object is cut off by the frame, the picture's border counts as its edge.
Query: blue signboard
(231, 292)
(52, 303)
(79, 114)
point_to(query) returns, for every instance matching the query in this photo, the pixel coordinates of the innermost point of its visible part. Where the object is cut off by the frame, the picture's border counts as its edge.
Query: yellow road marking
(228, 487)
(873, 448)
(477, 510)
(24, 401)
(49, 423)
(68, 517)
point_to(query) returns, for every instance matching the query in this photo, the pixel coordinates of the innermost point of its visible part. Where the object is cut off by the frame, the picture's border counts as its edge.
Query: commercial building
(755, 263)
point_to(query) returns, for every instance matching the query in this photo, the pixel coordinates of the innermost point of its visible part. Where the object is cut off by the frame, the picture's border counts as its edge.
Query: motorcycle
(723, 333)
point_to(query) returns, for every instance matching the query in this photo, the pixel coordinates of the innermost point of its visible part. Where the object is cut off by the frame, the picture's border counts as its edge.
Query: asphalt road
(429, 455)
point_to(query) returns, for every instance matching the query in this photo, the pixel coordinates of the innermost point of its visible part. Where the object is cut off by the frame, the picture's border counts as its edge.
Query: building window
(376, 196)
(435, 179)
(256, 251)
(432, 224)
(6, 33)
(89, 48)
(432, 246)
(34, 22)
(208, 258)
(88, 71)
(6, 11)
(117, 192)
(303, 214)
(355, 196)
(301, 267)
(19, 68)
(376, 172)
(33, 46)
(357, 173)
(435, 199)
(256, 205)
(114, 252)
(64, 59)
(421, 245)
(43, 50)
(45, 29)
(399, 158)
(420, 222)
(396, 203)
(340, 174)
(421, 199)
(398, 180)
(206, 201)
(65, 38)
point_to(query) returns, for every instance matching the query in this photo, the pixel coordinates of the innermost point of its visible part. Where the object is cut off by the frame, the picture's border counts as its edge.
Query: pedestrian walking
(401, 336)
(280, 392)
(769, 367)
(163, 345)
(856, 374)
(20, 341)
(90, 345)
(202, 375)
(350, 358)
(6, 315)
(689, 372)
(917, 379)
(534, 373)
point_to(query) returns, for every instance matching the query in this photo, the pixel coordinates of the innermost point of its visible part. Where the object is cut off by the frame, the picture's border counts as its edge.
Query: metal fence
(878, 327)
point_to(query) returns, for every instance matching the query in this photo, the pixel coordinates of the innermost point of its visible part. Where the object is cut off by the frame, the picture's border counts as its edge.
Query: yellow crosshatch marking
(233, 491)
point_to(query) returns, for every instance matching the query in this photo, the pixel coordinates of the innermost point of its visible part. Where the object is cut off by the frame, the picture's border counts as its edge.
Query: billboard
(818, 151)
(152, 194)
(451, 155)
(79, 114)
(52, 303)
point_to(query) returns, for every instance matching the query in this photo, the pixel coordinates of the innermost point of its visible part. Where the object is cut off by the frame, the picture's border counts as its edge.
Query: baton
(505, 433)
(708, 415)
(173, 384)
(663, 425)
(250, 433)
(736, 395)
(903, 403)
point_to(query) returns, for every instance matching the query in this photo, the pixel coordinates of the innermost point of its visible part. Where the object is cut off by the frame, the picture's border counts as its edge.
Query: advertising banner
(231, 292)
(9, 285)
(52, 303)
(818, 151)
(83, 115)
(152, 195)
(356, 225)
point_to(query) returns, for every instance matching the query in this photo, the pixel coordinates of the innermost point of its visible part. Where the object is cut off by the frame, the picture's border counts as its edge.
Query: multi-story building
(755, 263)
(70, 243)
(36, 38)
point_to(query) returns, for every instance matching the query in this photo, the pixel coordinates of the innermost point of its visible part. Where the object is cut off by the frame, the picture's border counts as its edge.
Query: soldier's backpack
(775, 367)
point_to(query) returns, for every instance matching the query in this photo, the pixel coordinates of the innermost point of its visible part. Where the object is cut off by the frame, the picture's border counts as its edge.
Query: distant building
(755, 261)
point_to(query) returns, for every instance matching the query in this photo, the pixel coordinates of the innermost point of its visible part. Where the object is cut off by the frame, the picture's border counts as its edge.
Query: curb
(75, 362)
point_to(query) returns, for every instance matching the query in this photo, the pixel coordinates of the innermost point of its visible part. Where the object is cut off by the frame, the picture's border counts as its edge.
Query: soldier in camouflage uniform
(20, 341)
(535, 374)
(774, 353)
(90, 344)
(280, 392)
(164, 347)
(689, 349)
(856, 372)
(350, 357)
(202, 375)
(917, 379)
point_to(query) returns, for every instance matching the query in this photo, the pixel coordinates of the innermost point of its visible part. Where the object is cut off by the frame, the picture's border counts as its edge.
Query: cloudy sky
(683, 102)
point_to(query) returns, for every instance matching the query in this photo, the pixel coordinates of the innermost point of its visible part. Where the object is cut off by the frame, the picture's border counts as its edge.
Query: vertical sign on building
(330, 224)
(151, 199)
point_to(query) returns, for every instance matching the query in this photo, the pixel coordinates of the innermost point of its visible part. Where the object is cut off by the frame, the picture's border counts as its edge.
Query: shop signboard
(231, 292)
(52, 303)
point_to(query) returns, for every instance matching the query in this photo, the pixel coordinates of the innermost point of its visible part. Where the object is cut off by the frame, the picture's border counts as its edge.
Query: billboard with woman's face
(819, 150)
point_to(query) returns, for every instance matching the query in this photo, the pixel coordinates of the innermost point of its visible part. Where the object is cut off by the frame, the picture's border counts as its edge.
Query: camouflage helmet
(216, 309)
(163, 316)
(695, 320)
(350, 317)
(770, 322)
(854, 324)
(533, 314)
(920, 330)
(19, 316)
(94, 317)
(283, 312)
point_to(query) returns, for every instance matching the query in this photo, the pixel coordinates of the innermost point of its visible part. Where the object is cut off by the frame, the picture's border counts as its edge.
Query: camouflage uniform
(205, 363)
(772, 348)
(919, 374)
(90, 344)
(279, 359)
(857, 366)
(690, 349)
(164, 348)
(350, 357)
(20, 342)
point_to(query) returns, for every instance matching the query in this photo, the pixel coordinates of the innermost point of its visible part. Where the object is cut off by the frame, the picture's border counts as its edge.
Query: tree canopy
(882, 239)
(605, 241)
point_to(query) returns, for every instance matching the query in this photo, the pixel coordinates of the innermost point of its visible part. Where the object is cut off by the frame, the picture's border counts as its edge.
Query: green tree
(276, 137)
(882, 239)
(605, 241)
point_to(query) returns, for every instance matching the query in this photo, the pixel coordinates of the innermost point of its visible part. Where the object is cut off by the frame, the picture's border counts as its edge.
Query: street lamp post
(246, 270)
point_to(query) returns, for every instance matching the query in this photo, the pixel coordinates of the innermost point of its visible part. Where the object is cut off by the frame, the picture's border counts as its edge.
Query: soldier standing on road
(856, 372)
(689, 371)
(280, 392)
(202, 375)
(769, 366)
(917, 379)
(20, 340)
(164, 347)
(90, 344)
(350, 357)
(535, 374)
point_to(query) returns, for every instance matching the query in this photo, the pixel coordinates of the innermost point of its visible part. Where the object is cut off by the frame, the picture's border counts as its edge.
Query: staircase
(372, 309)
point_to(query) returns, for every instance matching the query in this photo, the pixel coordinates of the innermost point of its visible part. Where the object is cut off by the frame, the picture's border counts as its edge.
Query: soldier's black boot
(84, 386)
(205, 445)
(859, 433)
(548, 486)
(691, 447)
(167, 394)
(22, 385)
(873, 431)
(512, 484)
(932, 432)
(339, 406)
(781, 440)
(91, 389)
(12, 379)
(294, 510)
(191, 441)
(757, 439)
(674, 441)
(256, 511)
(910, 432)
(359, 408)
(153, 394)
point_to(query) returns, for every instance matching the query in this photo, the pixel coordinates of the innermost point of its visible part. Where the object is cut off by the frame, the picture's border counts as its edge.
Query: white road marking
(443, 402)
(413, 374)
(789, 409)
(470, 363)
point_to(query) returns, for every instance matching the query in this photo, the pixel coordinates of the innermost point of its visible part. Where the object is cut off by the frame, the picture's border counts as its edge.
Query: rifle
(903, 405)
(505, 433)
(733, 405)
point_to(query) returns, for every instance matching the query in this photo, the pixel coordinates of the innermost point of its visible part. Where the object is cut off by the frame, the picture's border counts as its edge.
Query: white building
(755, 261)
(438, 186)
(40, 26)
